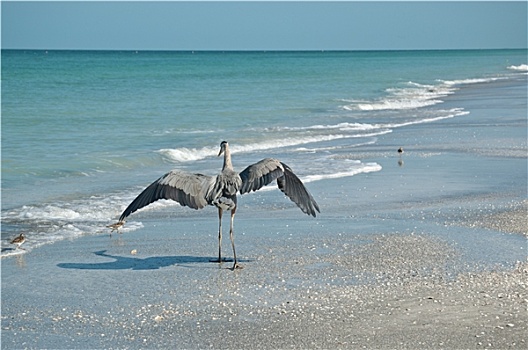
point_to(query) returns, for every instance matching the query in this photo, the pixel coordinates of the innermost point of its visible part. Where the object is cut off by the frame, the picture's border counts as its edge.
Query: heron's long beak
(221, 151)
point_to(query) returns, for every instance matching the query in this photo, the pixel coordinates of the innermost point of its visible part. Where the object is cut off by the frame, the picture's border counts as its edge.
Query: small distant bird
(400, 151)
(116, 226)
(19, 240)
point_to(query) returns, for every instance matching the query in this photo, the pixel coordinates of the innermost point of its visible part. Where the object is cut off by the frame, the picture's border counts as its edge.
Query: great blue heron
(197, 190)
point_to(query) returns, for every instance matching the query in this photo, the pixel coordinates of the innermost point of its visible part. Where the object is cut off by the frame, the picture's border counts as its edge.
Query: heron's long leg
(219, 236)
(235, 265)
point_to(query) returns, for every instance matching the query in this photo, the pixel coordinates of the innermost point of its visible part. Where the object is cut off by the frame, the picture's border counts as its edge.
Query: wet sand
(148, 289)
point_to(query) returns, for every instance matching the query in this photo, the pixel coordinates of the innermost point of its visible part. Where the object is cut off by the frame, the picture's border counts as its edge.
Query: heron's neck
(227, 160)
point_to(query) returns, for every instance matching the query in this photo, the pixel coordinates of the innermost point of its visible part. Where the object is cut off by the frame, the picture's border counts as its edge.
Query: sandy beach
(357, 291)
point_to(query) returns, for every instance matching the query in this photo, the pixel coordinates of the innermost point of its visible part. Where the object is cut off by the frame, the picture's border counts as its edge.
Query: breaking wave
(522, 68)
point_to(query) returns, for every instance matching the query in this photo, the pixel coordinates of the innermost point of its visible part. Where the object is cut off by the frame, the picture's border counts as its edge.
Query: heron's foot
(237, 266)
(220, 260)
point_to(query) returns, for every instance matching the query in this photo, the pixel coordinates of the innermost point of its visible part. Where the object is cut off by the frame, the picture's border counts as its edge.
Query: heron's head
(223, 147)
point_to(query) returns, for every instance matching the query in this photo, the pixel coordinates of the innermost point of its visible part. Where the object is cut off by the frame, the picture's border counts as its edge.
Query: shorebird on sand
(19, 240)
(116, 226)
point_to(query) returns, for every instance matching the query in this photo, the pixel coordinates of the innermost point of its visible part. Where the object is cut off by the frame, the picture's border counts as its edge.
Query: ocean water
(84, 131)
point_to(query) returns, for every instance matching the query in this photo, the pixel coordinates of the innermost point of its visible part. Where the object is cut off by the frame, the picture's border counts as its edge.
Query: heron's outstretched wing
(264, 172)
(191, 190)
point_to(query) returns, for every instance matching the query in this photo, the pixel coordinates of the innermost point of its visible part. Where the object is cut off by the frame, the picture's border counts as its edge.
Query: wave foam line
(522, 68)
(416, 95)
(387, 128)
(470, 81)
(185, 154)
(65, 220)
(367, 168)
(192, 154)
(457, 112)
(413, 96)
(333, 148)
(340, 126)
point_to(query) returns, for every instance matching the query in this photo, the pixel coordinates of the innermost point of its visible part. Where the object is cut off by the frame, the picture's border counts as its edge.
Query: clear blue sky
(198, 25)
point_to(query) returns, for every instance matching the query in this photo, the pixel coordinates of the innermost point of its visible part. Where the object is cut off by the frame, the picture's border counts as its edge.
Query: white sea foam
(364, 168)
(411, 96)
(381, 128)
(51, 233)
(347, 131)
(394, 104)
(192, 154)
(415, 95)
(452, 83)
(340, 126)
(333, 148)
(354, 168)
(188, 154)
(439, 115)
(66, 219)
(455, 112)
(522, 68)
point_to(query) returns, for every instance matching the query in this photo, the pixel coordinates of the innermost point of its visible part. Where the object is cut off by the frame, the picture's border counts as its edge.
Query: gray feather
(197, 191)
(191, 190)
(262, 173)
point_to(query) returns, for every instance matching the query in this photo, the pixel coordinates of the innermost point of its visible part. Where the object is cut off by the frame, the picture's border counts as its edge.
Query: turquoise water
(83, 131)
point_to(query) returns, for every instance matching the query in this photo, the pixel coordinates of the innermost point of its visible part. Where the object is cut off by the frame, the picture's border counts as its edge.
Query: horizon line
(261, 50)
